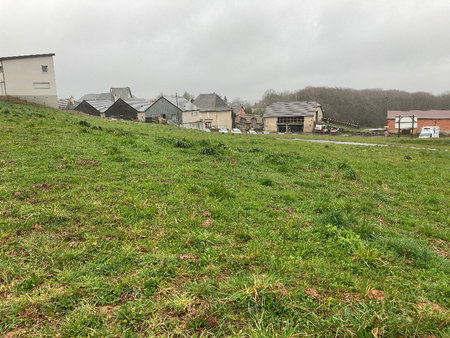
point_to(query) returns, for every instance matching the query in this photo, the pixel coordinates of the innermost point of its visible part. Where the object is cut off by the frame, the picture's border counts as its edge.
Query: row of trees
(368, 107)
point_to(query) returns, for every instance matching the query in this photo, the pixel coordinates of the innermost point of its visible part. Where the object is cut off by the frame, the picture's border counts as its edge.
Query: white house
(30, 78)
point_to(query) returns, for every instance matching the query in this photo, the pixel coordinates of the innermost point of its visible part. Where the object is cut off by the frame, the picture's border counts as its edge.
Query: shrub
(210, 150)
(182, 143)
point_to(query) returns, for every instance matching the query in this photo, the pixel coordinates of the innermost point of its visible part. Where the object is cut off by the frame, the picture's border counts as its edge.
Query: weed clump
(275, 158)
(335, 218)
(209, 150)
(267, 182)
(182, 143)
(84, 124)
(348, 171)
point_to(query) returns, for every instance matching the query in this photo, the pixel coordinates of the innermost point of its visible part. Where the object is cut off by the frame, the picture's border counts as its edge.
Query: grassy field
(111, 228)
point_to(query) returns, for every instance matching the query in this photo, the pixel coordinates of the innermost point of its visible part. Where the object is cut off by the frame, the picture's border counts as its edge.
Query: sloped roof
(140, 105)
(211, 102)
(121, 93)
(100, 105)
(421, 114)
(287, 109)
(101, 96)
(183, 104)
(4, 58)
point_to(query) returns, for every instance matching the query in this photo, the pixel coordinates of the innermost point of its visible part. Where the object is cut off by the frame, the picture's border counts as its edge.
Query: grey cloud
(236, 48)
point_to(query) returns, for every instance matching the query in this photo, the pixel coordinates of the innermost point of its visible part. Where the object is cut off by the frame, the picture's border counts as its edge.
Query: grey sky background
(234, 48)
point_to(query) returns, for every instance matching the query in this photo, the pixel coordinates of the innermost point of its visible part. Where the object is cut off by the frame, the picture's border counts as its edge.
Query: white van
(429, 132)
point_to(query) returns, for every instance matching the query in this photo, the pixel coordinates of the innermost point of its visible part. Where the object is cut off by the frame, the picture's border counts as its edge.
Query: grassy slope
(117, 231)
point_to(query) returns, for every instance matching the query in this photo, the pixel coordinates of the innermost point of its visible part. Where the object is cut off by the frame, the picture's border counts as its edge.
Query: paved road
(339, 142)
(361, 143)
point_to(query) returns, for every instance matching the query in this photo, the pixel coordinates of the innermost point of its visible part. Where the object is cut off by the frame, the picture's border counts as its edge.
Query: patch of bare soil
(108, 310)
(87, 161)
(377, 294)
(188, 257)
(20, 332)
(432, 306)
(313, 293)
(208, 223)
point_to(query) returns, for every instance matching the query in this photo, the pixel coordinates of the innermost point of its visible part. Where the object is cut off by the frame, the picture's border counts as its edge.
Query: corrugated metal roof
(421, 114)
(296, 108)
(140, 105)
(4, 58)
(183, 104)
(211, 102)
(100, 105)
(101, 96)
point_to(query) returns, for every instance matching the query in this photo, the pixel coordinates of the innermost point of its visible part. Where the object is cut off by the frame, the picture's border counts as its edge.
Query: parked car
(236, 131)
(252, 132)
(223, 130)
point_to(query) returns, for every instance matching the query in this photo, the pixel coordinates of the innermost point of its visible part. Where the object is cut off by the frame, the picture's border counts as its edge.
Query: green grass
(112, 228)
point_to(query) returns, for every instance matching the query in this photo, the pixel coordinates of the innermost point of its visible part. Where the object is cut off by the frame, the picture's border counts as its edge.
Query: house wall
(443, 124)
(20, 74)
(141, 116)
(221, 119)
(163, 107)
(308, 124)
(121, 110)
(270, 124)
(190, 116)
(86, 108)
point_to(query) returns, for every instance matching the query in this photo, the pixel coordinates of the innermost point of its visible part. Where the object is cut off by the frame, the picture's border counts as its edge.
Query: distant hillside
(367, 107)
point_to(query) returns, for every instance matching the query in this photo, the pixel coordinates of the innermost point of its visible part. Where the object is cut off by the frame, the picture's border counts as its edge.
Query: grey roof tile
(287, 109)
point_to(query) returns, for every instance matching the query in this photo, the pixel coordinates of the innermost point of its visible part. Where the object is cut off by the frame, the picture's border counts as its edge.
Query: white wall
(25, 79)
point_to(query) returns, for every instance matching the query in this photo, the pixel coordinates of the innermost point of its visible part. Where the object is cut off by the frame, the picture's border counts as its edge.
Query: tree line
(366, 107)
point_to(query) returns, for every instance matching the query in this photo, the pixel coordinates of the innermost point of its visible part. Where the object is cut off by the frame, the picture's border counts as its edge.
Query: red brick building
(425, 118)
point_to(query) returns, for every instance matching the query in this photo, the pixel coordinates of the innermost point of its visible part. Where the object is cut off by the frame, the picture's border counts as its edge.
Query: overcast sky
(234, 48)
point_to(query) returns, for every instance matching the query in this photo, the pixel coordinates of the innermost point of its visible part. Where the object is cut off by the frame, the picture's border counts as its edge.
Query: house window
(44, 69)
(1, 69)
(41, 85)
(209, 116)
(207, 124)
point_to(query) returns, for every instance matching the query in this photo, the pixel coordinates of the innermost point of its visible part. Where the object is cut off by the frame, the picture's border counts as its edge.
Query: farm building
(424, 118)
(292, 117)
(245, 121)
(214, 112)
(174, 110)
(121, 110)
(94, 107)
(30, 78)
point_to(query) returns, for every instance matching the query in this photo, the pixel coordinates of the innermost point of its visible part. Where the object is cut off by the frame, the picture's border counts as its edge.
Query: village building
(94, 107)
(245, 121)
(424, 118)
(30, 78)
(121, 110)
(176, 111)
(292, 117)
(67, 103)
(214, 112)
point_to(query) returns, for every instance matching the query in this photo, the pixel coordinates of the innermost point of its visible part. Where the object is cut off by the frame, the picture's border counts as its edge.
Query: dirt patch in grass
(208, 223)
(20, 332)
(188, 257)
(313, 293)
(47, 187)
(376, 294)
(88, 162)
(108, 310)
(432, 306)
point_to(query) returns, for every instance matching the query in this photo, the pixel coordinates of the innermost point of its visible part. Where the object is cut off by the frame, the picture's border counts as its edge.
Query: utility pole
(178, 110)
(399, 119)
(412, 127)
